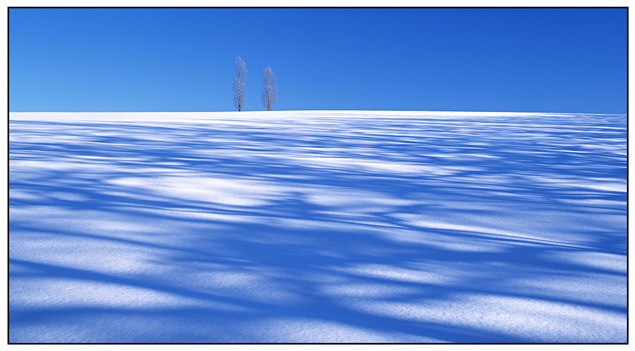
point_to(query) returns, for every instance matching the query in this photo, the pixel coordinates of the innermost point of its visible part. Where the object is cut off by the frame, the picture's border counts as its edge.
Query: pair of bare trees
(269, 95)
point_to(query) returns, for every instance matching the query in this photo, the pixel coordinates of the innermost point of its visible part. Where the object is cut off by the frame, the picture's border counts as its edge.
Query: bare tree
(270, 90)
(238, 85)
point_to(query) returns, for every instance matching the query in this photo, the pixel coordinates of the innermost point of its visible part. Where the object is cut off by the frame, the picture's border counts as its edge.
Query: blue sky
(129, 60)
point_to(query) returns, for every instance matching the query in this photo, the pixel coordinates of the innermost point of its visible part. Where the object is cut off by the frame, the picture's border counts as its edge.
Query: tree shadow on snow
(494, 229)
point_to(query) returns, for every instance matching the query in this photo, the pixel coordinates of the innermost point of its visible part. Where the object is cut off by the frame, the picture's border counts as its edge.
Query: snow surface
(317, 226)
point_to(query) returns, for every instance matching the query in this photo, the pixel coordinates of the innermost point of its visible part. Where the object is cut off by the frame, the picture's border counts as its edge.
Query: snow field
(317, 226)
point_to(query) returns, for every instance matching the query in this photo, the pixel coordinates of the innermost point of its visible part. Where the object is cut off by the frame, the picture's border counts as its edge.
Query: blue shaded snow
(317, 226)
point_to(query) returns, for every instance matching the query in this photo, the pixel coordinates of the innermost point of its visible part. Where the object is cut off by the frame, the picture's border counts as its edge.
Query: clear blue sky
(128, 60)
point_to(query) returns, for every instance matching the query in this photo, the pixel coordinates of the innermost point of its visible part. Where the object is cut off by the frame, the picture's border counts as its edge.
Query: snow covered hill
(317, 226)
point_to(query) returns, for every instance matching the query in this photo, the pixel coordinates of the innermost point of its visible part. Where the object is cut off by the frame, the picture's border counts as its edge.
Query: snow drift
(317, 226)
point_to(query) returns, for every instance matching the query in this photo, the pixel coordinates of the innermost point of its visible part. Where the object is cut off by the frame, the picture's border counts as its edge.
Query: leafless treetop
(270, 90)
(238, 85)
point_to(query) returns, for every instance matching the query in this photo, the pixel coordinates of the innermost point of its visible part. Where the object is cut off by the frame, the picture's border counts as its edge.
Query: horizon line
(335, 110)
